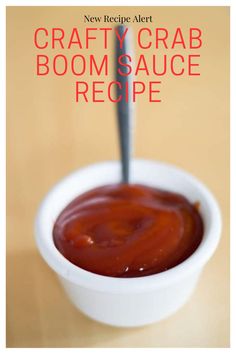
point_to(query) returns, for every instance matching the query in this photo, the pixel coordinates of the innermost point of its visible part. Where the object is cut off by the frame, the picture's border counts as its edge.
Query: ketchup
(128, 230)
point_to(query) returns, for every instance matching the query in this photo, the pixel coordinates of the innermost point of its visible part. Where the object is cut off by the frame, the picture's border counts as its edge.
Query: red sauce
(125, 230)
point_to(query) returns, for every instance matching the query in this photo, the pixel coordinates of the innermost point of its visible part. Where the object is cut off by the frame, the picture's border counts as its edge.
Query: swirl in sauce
(123, 230)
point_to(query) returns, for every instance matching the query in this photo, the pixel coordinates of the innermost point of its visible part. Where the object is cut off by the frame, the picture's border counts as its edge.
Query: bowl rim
(89, 280)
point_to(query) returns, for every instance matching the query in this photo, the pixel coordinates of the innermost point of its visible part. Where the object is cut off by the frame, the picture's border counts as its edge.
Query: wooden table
(49, 135)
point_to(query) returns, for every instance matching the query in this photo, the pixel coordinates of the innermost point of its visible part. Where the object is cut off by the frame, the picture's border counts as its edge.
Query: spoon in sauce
(124, 106)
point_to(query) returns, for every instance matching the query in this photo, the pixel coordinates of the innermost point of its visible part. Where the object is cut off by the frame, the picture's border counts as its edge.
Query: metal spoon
(124, 109)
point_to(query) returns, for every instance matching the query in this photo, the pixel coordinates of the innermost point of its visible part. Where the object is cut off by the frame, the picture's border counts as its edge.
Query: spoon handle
(124, 105)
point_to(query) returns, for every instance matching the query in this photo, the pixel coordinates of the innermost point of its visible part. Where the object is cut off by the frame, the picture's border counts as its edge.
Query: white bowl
(128, 302)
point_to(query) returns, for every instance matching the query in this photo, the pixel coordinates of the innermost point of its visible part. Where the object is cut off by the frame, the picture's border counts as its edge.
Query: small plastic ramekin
(128, 302)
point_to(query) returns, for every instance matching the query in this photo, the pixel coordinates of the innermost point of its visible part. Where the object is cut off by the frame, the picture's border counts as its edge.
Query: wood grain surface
(49, 135)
